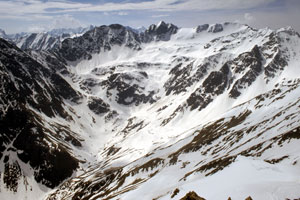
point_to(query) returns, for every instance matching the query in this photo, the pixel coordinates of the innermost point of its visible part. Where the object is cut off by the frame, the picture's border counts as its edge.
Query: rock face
(29, 88)
(24, 81)
(215, 84)
(252, 61)
(127, 93)
(159, 32)
(109, 113)
(96, 40)
(192, 196)
(3, 34)
(37, 41)
(201, 28)
(216, 28)
(98, 106)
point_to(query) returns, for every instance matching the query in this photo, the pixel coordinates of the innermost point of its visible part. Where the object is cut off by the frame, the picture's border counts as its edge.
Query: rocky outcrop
(192, 196)
(215, 28)
(160, 32)
(201, 28)
(98, 106)
(214, 85)
(125, 90)
(251, 65)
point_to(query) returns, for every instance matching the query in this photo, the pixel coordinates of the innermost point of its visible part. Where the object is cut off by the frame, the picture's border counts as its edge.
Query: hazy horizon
(42, 15)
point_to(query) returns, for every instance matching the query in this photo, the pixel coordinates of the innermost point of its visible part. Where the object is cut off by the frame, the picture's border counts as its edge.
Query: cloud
(65, 21)
(36, 29)
(60, 21)
(277, 19)
(183, 12)
(32, 17)
(249, 17)
(175, 5)
(159, 16)
(122, 13)
(28, 7)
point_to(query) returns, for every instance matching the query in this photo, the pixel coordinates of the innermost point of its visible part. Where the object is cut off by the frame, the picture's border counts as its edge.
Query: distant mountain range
(43, 40)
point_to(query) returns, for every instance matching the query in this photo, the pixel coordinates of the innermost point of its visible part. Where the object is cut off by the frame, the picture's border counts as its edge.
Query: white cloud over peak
(60, 21)
(248, 17)
(65, 21)
(159, 16)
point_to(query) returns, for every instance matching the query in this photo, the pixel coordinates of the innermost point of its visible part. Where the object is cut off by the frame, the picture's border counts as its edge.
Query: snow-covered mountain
(44, 40)
(69, 31)
(137, 30)
(2, 34)
(121, 114)
(37, 41)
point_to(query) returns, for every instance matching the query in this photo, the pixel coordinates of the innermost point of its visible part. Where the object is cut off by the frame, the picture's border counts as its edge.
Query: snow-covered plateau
(119, 113)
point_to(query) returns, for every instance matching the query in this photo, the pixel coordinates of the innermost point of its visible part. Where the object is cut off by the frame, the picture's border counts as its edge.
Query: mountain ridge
(122, 104)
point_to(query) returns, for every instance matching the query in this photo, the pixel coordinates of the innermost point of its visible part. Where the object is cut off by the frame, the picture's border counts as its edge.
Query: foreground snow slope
(253, 146)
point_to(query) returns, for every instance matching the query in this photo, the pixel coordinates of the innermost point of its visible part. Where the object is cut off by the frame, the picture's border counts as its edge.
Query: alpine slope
(119, 113)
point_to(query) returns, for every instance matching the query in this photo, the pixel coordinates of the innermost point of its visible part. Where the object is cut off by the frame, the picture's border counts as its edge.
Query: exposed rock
(175, 192)
(127, 90)
(29, 85)
(251, 63)
(215, 28)
(179, 81)
(160, 32)
(12, 174)
(192, 196)
(201, 28)
(215, 84)
(98, 106)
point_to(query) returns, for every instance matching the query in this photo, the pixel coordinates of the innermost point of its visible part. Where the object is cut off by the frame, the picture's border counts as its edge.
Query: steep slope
(32, 147)
(37, 41)
(182, 106)
(3, 34)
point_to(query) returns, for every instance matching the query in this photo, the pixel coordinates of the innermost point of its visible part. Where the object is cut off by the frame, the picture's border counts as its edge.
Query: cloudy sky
(41, 15)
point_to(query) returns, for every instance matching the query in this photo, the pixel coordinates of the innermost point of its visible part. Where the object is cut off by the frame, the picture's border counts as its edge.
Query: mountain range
(111, 112)
(43, 40)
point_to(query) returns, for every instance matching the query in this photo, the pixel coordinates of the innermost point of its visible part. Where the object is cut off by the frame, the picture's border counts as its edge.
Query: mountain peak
(116, 26)
(215, 28)
(289, 30)
(161, 23)
(2, 34)
(160, 32)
